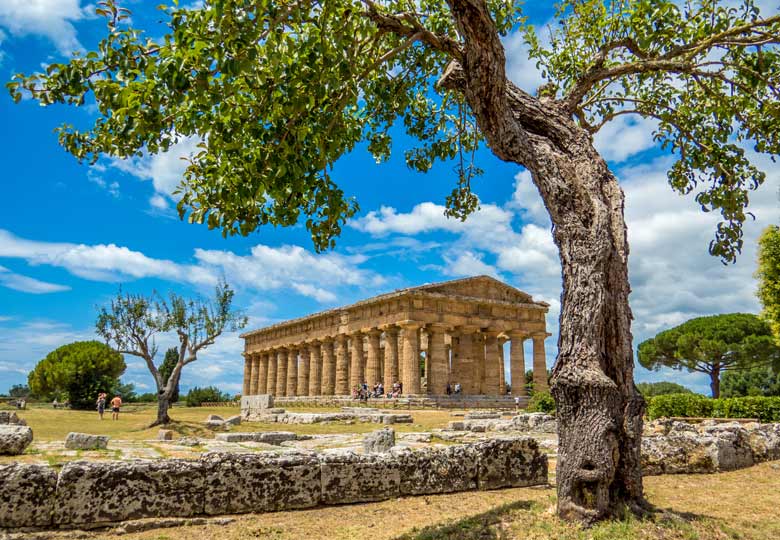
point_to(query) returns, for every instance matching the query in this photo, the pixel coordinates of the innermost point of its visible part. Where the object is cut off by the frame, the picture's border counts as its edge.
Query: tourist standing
(101, 404)
(116, 404)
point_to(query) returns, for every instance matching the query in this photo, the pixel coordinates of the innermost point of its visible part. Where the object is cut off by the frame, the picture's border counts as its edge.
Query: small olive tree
(132, 321)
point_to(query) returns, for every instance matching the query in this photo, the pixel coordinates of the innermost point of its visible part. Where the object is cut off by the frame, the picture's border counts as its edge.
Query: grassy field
(54, 424)
(728, 506)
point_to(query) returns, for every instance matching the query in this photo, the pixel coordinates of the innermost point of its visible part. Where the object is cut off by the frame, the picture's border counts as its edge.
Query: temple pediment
(479, 287)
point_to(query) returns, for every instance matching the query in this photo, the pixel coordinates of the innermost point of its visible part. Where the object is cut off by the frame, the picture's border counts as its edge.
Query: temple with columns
(424, 337)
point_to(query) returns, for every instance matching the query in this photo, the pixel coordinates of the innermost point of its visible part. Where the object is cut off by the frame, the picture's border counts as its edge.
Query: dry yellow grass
(737, 505)
(50, 425)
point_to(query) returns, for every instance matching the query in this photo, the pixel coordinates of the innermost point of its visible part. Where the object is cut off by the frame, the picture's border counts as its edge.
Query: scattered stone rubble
(267, 437)
(216, 423)
(10, 417)
(674, 447)
(484, 422)
(37, 496)
(260, 409)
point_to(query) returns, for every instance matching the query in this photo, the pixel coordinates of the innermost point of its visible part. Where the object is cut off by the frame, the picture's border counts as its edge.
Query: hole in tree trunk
(586, 493)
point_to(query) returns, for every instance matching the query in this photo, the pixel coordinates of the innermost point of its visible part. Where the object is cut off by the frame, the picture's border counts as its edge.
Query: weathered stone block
(481, 415)
(439, 470)
(165, 435)
(233, 421)
(214, 418)
(215, 425)
(350, 478)
(14, 439)
(86, 441)
(515, 462)
(276, 437)
(238, 483)
(254, 405)
(379, 442)
(268, 437)
(539, 422)
(26, 495)
(676, 454)
(97, 492)
(401, 418)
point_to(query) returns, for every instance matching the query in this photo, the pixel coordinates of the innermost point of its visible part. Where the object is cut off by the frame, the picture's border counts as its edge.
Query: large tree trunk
(715, 381)
(163, 404)
(598, 406)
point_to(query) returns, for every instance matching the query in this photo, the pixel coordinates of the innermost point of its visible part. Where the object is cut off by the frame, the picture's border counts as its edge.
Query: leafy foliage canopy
(276, 91)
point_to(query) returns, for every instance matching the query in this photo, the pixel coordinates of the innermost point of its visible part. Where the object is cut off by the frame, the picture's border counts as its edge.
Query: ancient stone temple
(424, 337)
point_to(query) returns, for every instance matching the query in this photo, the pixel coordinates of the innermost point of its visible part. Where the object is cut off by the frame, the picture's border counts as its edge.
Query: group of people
(454, 389)
(116, 404)
(363, 391)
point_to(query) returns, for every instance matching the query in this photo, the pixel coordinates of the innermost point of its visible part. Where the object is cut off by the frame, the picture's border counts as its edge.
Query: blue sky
(70, 234)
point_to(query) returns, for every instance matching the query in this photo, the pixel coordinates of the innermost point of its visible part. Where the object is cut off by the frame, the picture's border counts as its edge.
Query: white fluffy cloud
(265, 268)
(18, 282)
(165, 170)
(625, 136)
(52, 19)
(520, 69)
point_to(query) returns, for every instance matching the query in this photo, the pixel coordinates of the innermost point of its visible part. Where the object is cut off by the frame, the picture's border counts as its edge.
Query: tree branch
(407, 25)
(678, 60)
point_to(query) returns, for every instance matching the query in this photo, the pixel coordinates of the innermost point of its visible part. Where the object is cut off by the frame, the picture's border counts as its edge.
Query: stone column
(455, 375)
(400, 354)
(501, 365)
(517, 363)
(492, 358)
(328, 367)
(540, 364)
(262, 374)
(411, 358)
(247, 375)
(303, 372)
(255, 361)
(272, 364)
(356, 367)
(391, 357)
(342, 366)
(373, 357)
(438, 363)
(281, 373)
(315, 369)
(478, 348)
(466, 369)
(292, 372)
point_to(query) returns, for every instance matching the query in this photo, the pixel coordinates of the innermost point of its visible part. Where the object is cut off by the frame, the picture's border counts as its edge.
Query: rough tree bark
(598, 406)
(715, 380)
(165, 394)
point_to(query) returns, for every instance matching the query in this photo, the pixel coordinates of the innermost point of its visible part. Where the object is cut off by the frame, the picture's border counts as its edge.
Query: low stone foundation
(35, 496)
(406, 402)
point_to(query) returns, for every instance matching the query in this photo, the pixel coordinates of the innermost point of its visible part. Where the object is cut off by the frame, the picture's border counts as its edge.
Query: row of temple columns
(474, 358)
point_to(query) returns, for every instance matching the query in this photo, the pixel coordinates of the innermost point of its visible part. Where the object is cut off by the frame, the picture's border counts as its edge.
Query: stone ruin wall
(37, 496)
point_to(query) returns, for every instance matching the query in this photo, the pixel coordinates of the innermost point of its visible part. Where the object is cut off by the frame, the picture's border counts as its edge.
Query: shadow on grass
(478, 527)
